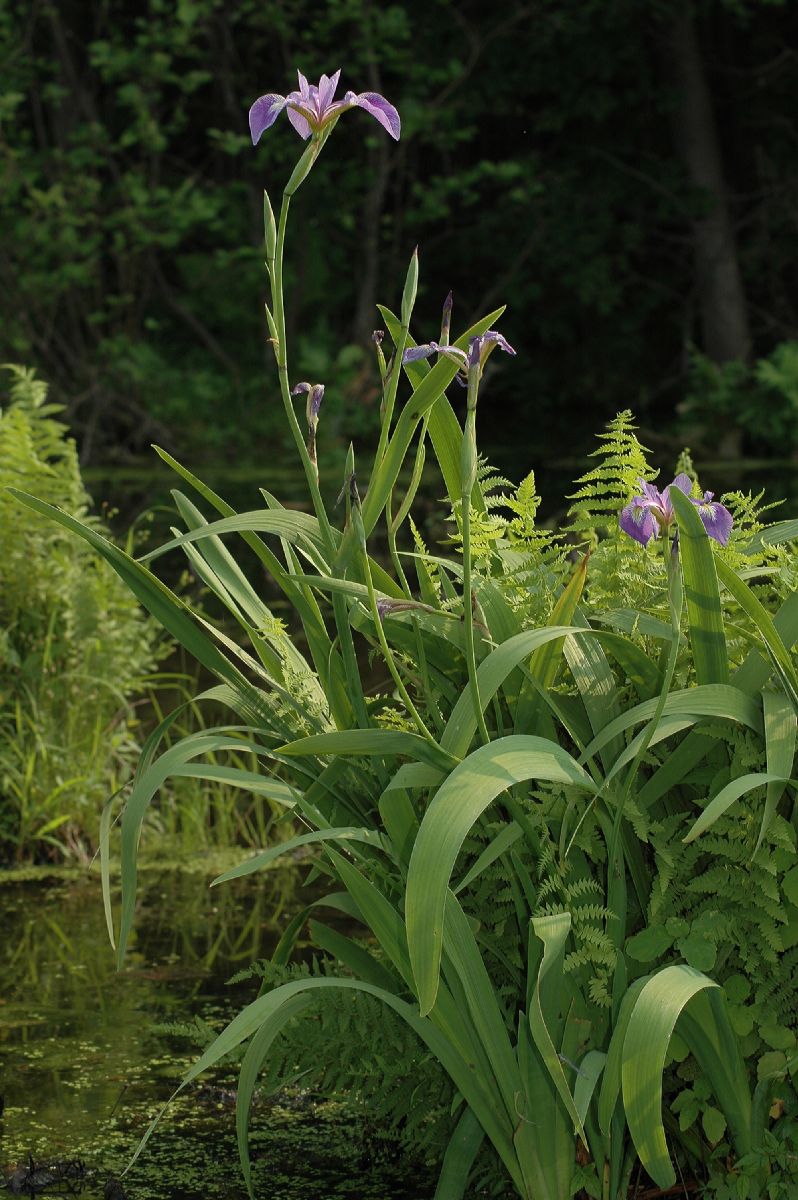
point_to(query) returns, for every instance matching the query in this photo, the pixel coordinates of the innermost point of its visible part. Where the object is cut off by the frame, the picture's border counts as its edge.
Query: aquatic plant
(546, 817)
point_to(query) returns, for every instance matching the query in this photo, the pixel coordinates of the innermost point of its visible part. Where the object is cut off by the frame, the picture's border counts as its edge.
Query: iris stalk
(275, 268)
(468, 472)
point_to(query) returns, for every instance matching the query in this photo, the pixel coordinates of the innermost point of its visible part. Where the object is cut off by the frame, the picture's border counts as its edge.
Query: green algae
(87, 1060)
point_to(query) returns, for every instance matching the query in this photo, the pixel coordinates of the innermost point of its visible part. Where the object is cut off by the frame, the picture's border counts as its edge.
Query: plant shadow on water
(86, 1062)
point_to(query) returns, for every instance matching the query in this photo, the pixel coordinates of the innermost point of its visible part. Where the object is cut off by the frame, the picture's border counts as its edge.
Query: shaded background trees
(623, 175)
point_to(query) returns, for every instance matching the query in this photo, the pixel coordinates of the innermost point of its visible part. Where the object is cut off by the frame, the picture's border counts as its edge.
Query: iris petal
(264, 113)
(300, 123)
(647, 514)
(638, 522)
(414, 353)
(651, 493)
(683, 482)
(327, 86)
(717, 520)
(312, 107)
(380, 109)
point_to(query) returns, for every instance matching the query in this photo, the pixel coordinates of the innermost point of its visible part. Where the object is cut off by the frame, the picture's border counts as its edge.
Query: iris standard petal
(683, 482)
(264, 113)
(380, 109)
(638, 521)
(651, 493)
(327, 86)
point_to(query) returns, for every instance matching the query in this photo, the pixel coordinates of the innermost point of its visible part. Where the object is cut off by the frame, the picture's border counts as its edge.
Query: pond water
(85, 1062)
(141, 493)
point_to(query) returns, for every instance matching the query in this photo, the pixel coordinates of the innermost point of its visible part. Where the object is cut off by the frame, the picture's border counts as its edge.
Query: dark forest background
(623, 173)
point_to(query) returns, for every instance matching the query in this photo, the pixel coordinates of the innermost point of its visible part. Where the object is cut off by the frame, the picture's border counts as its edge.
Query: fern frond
(603, 491)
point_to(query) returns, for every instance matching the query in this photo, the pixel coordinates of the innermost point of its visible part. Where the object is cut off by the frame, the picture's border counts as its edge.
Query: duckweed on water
(85, 1065)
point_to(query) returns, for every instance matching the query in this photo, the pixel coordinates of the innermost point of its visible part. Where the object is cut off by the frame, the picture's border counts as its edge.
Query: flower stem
(468, 472)
(275, 268)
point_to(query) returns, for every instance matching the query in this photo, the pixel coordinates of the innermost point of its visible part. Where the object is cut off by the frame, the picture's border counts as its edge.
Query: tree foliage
(537, 153)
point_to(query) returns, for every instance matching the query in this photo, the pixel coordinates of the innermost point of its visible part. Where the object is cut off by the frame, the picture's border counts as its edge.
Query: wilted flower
(312, 108)
(479, 349)
(386, 606)
(315, 393)
(651, 513)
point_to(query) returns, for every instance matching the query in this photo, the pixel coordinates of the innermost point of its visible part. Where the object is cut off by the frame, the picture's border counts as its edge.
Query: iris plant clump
(502, 814)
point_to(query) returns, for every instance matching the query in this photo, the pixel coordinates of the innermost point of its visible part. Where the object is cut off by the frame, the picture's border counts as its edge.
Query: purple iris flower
(478, 350)
(651, 513)
(313, 107)
(427, 349)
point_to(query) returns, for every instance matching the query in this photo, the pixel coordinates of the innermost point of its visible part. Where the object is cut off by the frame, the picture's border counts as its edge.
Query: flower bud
(269, 227)
(377, 338)
(446, 320)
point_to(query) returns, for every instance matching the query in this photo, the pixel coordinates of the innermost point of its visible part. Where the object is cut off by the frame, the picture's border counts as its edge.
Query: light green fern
(604, 490)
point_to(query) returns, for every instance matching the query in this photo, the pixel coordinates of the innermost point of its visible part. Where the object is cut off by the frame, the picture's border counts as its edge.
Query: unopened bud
(269, 227)
(377, 337)
(446, 320)
(273, 337)
(349, 490)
